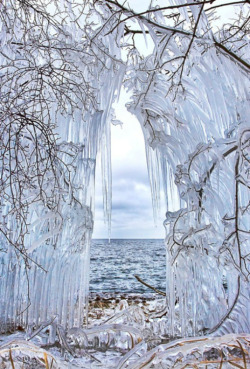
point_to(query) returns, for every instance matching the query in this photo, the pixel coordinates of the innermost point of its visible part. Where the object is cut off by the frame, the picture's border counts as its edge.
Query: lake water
(113, 266)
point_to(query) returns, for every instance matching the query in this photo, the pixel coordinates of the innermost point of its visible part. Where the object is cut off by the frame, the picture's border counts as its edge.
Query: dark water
(113, 266)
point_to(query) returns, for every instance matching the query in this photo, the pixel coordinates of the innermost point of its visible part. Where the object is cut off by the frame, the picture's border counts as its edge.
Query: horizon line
(136, 238)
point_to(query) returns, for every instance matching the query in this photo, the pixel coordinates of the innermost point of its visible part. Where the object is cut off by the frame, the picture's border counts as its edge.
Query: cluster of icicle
(57, 89)
(197, 137)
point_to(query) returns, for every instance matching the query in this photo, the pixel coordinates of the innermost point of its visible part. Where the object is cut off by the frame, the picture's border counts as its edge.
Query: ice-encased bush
(57, 88)
(193, 107)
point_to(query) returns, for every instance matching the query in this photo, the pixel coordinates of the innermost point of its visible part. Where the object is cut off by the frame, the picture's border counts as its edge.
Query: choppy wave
(114, 265)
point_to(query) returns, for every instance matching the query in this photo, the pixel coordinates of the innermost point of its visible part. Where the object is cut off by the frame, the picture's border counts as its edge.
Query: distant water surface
(113, 266)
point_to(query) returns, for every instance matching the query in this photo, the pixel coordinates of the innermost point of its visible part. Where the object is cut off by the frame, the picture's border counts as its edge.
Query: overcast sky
(132, 215)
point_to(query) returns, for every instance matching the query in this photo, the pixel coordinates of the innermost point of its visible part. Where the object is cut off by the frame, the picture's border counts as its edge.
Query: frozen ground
(124, 331)
(102, 350)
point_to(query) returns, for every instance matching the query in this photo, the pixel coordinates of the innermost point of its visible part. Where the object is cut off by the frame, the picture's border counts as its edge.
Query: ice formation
(194, 113)
(62, 65)
(124, 342)
(56, 95)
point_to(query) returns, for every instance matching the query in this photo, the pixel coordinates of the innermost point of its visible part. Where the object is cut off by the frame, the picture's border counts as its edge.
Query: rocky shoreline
(104, 305)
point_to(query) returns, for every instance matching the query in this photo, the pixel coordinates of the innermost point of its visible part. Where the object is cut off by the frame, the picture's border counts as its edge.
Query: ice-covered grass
(122, 333)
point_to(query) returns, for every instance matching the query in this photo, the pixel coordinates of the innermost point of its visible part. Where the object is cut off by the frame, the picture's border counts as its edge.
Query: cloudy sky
(132, 215)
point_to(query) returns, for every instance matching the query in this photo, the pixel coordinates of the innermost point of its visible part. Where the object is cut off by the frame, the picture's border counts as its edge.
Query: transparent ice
(67, 88)
(62, 66)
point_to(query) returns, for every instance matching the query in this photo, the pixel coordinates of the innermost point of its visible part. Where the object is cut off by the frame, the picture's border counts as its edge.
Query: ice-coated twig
(142, 346)
(41, 327)
(63, 340)
(74, 334)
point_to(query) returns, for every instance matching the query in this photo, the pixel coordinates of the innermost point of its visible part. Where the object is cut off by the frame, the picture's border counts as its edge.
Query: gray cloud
(132, 215)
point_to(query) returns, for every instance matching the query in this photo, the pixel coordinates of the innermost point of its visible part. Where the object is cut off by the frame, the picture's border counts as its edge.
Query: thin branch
(149, 21)
(232, 54)
(149, 286)
(226, 4)
(226, 316)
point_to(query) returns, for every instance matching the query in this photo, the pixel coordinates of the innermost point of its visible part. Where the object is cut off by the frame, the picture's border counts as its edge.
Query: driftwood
(149, 286)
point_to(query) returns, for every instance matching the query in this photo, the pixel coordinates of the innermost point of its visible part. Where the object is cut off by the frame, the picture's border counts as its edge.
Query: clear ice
(196, 129)
(191, 97)
(61, 90)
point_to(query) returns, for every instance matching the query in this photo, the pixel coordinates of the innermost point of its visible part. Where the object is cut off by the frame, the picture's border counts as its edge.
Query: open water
(113, 266)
